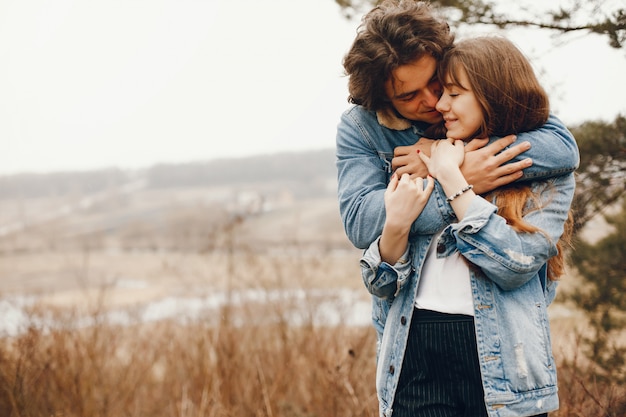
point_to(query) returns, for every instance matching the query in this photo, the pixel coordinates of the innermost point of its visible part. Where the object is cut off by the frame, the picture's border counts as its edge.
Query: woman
(467, 330)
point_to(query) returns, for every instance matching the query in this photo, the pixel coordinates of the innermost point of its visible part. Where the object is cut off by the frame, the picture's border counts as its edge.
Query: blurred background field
(71, 239)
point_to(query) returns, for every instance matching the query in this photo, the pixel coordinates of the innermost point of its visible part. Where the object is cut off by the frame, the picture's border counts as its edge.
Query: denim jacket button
(392, 369)
(403, 320)
(441, 248)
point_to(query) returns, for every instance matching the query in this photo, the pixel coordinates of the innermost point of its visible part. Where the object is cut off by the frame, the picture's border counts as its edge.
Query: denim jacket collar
(388, 118)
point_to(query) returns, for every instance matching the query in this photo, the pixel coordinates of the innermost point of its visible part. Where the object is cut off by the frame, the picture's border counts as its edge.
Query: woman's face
(460, 108)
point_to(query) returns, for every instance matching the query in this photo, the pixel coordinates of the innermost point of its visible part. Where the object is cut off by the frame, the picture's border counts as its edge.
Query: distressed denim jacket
(364, 153)
(510, 293)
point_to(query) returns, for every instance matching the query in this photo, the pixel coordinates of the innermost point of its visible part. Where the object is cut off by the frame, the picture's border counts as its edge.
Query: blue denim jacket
(510, 292)
(364, 153)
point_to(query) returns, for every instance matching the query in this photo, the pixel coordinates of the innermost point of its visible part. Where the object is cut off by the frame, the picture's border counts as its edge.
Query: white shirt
(445, 284)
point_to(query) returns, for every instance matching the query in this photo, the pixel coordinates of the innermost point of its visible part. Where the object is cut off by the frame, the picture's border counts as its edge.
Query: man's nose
(433, 92)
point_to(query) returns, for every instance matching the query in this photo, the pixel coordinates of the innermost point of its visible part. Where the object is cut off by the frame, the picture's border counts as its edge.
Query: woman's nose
(442, 105)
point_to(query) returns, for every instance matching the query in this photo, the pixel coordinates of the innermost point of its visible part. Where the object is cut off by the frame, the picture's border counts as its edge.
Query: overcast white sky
(98, 83)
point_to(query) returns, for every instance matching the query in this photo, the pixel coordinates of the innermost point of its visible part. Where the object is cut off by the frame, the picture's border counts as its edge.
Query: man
(392, 83)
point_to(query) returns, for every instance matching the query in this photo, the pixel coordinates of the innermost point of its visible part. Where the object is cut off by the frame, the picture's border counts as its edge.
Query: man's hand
(485, 166)
(406, 160)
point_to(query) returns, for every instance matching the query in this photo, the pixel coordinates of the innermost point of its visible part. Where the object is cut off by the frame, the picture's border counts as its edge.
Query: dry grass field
(176, 303)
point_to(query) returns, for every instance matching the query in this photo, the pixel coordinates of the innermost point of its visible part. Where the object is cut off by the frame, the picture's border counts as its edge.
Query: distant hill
(303, 173)
(186, 207)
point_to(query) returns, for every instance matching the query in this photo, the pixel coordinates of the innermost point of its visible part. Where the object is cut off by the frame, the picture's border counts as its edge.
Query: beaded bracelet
(464, 189)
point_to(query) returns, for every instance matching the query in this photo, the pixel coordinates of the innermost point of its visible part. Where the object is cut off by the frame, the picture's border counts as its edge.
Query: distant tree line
(303, 172)
(300, 167)
(60, 184)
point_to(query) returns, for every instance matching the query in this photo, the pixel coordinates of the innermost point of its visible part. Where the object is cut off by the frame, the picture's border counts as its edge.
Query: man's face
(414, 90)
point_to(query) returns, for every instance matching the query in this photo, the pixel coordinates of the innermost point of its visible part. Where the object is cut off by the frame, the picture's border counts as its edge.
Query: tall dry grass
(175, 370)
(229, 368)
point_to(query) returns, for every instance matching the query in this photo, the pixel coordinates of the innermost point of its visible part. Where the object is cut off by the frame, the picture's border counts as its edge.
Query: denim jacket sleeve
(381, 278)
(508, 257)
(363, 173)
(553, 150)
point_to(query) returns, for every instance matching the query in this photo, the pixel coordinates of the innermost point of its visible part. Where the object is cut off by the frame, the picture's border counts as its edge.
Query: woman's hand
(405, 198)
(445, 155)
(444, 164)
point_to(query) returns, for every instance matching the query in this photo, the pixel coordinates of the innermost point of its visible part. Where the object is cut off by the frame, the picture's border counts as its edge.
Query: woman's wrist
(452, 180)
(392, 245)
(458, 191)
(396, 232)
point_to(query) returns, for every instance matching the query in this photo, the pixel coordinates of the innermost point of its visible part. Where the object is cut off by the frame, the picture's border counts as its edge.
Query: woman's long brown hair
(513, 101)
(512, 202)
